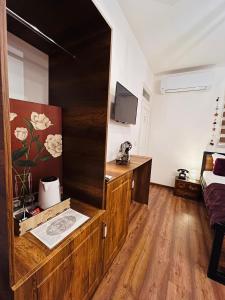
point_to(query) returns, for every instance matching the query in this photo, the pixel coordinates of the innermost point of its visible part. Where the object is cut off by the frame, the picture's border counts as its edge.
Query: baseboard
(162, 185)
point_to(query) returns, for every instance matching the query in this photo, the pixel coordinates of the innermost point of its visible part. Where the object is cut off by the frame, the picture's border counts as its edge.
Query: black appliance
(182, 174)
(125, 105)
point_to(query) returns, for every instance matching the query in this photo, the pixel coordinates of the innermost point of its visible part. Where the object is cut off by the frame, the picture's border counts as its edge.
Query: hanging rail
(36, 30)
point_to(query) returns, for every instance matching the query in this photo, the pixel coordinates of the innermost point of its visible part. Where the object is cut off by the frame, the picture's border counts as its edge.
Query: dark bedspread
(214, 196)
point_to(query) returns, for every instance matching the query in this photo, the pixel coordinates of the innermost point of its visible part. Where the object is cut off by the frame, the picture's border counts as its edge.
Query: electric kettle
(49, 192)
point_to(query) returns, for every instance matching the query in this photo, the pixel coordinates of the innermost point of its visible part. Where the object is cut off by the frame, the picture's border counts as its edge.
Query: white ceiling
(178, 34)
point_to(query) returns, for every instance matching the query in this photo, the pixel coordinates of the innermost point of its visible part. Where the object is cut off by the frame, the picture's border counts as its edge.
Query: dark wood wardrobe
(78, 83)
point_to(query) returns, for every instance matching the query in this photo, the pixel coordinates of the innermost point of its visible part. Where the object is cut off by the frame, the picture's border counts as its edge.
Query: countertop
(116, 171)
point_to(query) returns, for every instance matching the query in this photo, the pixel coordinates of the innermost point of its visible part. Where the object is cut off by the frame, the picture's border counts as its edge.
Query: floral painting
(36, 139)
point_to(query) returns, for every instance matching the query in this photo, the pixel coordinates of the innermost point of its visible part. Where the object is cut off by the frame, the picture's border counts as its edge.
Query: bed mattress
(209, 177)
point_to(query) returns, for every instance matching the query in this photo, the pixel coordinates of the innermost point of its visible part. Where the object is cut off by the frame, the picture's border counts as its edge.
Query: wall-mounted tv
(125, 105)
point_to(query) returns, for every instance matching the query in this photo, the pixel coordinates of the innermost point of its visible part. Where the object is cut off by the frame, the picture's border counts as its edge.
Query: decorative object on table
(123, 156)
(55, 230)
(188, 189)
(23, 190)
(182, 174)
(108, 178)
(49, 192)
(36, 139)
(37, 216)
(215, 122)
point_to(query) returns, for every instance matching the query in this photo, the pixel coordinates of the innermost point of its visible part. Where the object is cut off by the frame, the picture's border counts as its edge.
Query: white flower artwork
(53, 144)
(12, 116)
(21, 133)
(40, 121)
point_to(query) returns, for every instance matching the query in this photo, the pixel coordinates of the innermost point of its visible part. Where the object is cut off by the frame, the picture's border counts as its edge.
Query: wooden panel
(207, 161)
(34, 221)
(118, 196)
(81, 87)
(6, 225)
(75, 21)
(222, 140)
(141, 183)
(27, 291)
(78, 275)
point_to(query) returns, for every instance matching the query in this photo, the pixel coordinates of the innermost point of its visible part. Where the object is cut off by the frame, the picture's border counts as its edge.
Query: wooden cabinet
(188, 189)
(118, 196)
(140, 167)
(71, 271)
(119, 192)
(78, 275)
(78, 82)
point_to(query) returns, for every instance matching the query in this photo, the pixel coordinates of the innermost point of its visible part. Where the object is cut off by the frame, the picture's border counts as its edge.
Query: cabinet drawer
(181, 184)
(194, 187)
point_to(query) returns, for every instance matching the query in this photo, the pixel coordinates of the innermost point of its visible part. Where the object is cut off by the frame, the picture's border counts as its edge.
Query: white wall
(181, 128)
(28, 71)
(129, 67)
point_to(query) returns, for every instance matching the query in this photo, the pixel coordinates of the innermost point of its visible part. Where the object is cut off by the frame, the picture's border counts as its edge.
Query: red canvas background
(23, 109)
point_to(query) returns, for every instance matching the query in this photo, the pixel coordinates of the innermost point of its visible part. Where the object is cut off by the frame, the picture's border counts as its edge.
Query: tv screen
(125, 105)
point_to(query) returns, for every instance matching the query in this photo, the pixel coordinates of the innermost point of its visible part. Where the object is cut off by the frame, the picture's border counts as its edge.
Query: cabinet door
(27, 291)
(78, 275)
(118, 196)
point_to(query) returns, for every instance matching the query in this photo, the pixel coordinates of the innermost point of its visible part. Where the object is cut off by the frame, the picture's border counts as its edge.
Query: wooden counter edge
(134, 164)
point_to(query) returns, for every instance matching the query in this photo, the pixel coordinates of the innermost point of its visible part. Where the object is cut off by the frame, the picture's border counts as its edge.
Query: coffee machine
(123, 156)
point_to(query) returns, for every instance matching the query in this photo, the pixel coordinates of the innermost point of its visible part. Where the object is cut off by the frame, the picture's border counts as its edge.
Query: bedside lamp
(194, 174)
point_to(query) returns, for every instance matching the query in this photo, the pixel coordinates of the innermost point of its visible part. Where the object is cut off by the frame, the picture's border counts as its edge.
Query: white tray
(55, 230)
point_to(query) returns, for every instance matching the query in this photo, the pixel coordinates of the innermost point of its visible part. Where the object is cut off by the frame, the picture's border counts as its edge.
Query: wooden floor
(165, 255)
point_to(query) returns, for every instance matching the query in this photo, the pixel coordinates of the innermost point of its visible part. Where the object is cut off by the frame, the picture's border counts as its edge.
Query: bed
(214, 197)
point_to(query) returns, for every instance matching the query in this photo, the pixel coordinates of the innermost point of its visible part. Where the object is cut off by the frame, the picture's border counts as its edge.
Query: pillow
(217, 155)
(219, 167)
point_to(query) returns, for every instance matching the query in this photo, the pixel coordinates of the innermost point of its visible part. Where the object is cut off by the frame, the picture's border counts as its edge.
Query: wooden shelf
(31, 254)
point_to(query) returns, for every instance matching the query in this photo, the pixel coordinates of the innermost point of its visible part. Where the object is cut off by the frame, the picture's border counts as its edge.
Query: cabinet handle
(105, 231)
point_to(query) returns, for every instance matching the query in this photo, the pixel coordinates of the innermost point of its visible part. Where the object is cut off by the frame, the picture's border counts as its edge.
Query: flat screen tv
(125, 105)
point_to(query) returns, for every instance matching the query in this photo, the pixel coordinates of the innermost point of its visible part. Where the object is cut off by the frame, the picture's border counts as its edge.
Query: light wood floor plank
(165, 255)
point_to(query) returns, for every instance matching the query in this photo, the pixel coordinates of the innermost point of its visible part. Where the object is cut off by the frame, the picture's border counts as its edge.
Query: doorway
(145, 123)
